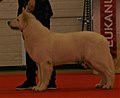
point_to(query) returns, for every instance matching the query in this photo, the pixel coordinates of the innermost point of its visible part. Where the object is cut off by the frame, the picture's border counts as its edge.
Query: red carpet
(69, 85)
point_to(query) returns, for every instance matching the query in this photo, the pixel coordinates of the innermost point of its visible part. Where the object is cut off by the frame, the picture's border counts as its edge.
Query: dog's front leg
(39, 78)
(46, 69)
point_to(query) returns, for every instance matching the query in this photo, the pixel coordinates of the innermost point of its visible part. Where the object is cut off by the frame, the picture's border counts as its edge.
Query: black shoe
(26, 85)
(51, 86)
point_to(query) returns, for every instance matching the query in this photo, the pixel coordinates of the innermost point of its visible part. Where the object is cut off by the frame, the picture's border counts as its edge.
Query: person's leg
(31, 68)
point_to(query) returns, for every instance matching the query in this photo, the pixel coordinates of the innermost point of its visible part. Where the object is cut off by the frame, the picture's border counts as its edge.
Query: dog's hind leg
(107, 74)
(110, 74)
(95, 67)
(102, 81)
(107, 80)
(110, 80)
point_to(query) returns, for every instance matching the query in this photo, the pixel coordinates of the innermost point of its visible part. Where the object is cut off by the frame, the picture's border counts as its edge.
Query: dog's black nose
(8, 22)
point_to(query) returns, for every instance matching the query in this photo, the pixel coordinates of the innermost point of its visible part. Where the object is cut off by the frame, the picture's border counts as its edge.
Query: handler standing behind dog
(41, 9)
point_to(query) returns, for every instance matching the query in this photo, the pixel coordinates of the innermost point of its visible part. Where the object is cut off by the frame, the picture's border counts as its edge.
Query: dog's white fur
(48, 49)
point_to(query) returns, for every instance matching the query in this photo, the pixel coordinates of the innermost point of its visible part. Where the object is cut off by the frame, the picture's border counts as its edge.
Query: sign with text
(108, 23)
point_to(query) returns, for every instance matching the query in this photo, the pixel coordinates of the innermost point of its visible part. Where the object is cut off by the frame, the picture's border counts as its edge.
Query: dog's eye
(17, 19)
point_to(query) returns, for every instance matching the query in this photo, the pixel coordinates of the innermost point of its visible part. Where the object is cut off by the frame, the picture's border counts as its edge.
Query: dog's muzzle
(16, 28)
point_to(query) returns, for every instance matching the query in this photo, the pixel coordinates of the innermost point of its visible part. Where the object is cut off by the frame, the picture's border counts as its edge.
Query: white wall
(10, 41)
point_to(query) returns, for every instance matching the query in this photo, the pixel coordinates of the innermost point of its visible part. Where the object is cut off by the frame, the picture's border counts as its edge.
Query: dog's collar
(22, 29)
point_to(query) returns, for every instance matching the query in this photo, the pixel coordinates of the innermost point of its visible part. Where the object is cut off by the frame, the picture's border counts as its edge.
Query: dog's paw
(38, 88)
(98, 86)
(107, 87)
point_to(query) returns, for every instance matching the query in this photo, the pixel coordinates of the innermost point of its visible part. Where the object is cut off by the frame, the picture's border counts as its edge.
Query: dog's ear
(23, 10)
(24, 15)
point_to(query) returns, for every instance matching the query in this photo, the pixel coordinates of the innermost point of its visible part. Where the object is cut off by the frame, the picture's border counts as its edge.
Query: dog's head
(21, 21)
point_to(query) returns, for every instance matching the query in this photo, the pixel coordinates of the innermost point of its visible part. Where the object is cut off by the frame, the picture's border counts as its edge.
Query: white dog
(48, 48)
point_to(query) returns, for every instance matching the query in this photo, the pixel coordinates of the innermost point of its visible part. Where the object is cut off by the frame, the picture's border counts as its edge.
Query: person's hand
(31, 5)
